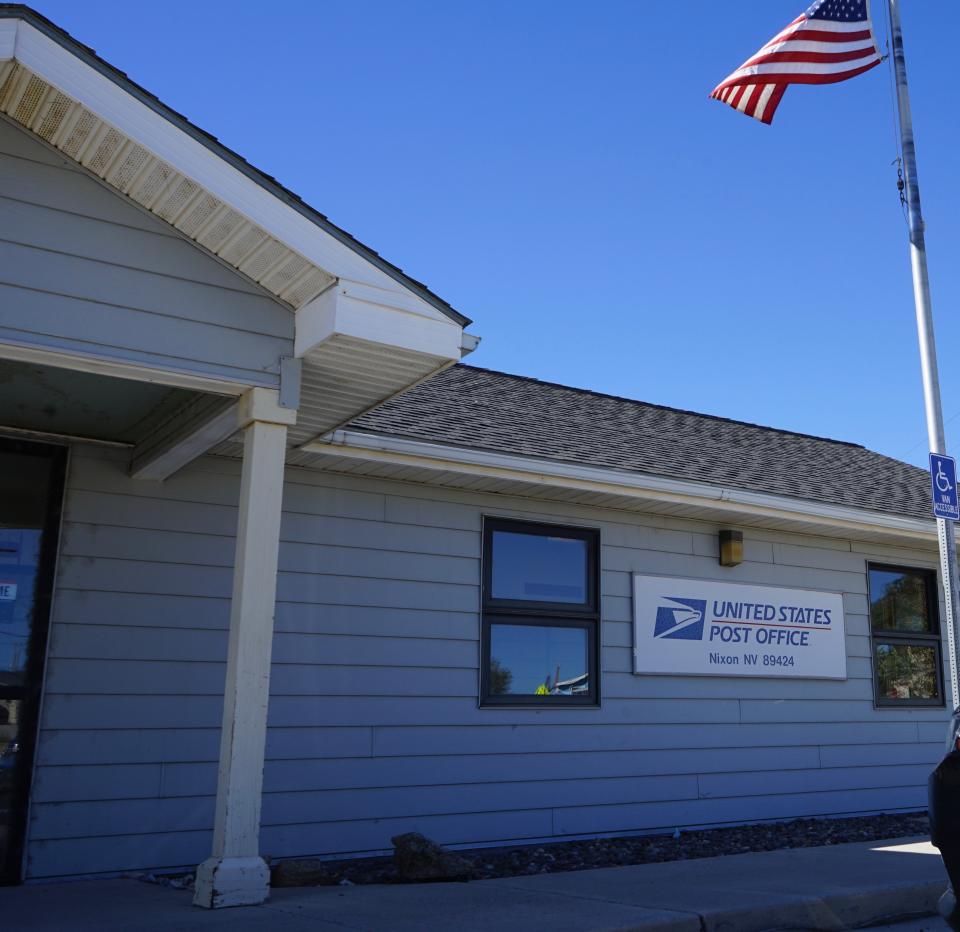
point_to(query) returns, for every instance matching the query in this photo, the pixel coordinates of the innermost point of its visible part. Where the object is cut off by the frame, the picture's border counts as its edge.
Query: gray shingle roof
(479, 408)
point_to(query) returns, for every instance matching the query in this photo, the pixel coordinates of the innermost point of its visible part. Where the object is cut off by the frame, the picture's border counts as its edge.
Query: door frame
(11, 866)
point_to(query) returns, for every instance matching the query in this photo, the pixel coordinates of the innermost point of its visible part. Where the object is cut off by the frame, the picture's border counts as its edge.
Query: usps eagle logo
(682, 620)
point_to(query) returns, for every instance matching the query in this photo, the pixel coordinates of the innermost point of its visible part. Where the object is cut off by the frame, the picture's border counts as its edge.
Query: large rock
(419, 859)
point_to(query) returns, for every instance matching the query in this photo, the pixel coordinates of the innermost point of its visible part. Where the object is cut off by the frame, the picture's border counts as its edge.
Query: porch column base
(231, 882)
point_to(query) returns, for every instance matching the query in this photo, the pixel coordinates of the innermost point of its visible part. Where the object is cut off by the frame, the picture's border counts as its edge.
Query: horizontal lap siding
(373, 723)
(135, 675)
(661, 752)
(84, 270)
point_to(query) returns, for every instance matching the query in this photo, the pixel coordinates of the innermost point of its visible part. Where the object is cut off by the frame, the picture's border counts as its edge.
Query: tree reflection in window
(906, 671)
(899, 601)
(500, 678)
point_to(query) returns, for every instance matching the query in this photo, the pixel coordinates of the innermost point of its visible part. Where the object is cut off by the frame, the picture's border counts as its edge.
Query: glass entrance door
(31, 489)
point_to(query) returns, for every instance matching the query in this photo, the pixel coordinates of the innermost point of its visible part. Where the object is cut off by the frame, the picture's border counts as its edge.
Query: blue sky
(557, 172)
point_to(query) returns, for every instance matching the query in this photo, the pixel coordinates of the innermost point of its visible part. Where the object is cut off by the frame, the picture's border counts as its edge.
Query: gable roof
(295, 279)
(482, 409)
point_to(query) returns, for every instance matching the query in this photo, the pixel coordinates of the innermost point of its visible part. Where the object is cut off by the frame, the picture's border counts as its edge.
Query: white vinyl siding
(84, 270)
(374, 725)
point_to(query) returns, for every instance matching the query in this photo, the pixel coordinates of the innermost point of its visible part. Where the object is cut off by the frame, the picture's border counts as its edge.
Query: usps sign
(704, 628)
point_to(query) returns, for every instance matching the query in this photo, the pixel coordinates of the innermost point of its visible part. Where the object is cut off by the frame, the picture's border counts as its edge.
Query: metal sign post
(928, 349)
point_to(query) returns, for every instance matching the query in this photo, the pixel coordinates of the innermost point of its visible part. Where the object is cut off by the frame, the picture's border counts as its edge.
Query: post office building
(280, 575)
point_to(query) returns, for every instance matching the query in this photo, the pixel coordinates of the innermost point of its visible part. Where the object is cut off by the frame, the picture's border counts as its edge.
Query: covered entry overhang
(362, 330)
(316, 329)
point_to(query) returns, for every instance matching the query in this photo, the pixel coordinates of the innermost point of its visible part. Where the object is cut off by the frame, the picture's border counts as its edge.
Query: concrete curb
(906, 901)
(836, 913)
(831, 888)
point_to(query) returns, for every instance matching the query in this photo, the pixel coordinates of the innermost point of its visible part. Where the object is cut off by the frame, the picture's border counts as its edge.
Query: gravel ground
(645, 849)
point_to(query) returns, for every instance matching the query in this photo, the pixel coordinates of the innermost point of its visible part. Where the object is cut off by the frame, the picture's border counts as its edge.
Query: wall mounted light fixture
(731, 548)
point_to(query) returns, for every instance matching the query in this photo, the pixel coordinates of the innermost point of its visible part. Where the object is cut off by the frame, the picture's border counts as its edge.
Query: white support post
(235, 874)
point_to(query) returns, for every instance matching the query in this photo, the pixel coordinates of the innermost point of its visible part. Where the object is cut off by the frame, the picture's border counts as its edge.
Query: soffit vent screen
(154, 184)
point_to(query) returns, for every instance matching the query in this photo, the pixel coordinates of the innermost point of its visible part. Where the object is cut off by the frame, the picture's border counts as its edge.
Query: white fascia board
(378, 447)
(101, 364)
(397, 301)
(350, 309)
(468, 344)
(133, 118)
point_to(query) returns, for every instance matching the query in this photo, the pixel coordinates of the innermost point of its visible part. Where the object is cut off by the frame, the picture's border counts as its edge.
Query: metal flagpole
(928, 348)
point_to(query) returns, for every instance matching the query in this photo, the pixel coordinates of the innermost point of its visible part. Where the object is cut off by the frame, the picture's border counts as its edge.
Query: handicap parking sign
(943, 481)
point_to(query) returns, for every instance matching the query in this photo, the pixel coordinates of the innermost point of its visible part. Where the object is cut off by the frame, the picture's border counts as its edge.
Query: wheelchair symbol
(942, 480)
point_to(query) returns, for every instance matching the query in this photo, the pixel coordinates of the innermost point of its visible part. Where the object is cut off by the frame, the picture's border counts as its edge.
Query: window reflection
(30, 475)
(899, 601)
(538, 660)
(538, 568)
(19, 559)
(540, 614)
(906, 671)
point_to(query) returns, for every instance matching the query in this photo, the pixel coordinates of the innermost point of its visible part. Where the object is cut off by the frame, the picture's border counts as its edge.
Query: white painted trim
(263, 404)
(352, 310)
(99, 364)
(161, 463)
(64, 440)
(84, 83)
(225, 882)
(468, 344)
(394, 300)
(439, 457)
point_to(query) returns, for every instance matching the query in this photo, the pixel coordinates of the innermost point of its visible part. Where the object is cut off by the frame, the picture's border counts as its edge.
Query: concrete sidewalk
(832, 888)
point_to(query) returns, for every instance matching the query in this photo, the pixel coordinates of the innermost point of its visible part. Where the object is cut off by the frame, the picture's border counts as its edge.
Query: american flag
(832, 41)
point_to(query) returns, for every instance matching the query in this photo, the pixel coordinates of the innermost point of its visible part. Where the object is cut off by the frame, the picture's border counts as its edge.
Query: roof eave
(290, 200)
(363, 444)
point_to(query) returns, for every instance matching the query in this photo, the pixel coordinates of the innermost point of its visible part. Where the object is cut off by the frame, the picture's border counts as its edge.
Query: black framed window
(541, 614)
(905, 635)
